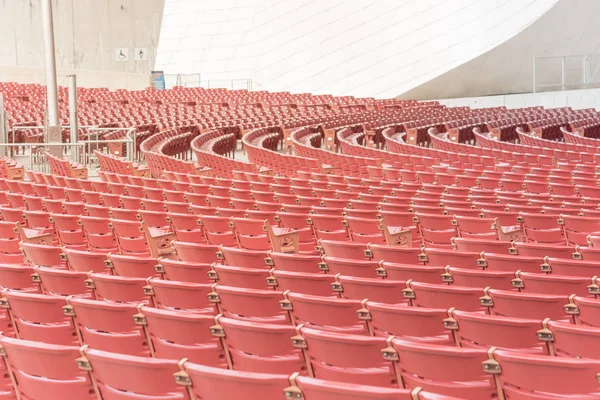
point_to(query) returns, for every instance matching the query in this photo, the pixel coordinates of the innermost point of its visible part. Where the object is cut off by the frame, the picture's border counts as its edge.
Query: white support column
(53, 134)
(73, 117)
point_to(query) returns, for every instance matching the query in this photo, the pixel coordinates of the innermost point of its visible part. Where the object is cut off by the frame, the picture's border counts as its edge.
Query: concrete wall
(87, 34)
(378, 48)
(576, 99)
(569, 28)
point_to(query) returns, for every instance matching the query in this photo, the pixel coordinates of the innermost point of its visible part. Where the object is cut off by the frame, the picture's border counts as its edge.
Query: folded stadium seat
(34, 203)
(137, 239)
(404, 272)
(85, 261)
(379, 231)
(264, 348)
(131, 266)
(59, 282)
(153, 205)
(198, 200)
(566, 267)
(42, 255)
(446, 370)
(177, 207)
(241, 257)
(244, 277)
(494, 262)
(443, 296)
(69, 231)
(344, 357)
(18, 277)
(194, 252)
(576, 229)
(124, 214)
(358, 268)
(230, 212)
(453, 258)
(563, 377)
(10, 252)
(586, 253)
(121, 376)
(298, 223)
(114, 201)
(474, 330)
(435, 230)
(542, 228)
(318, 389)
(97, 211)
(98, 233)
(325, 313)
(43, 370)
(72, 208)
(107, 326)
(119, 289)
(217, 230)
(317, 284)
(395, 254)
(409, 323)
(567, 340)
(208, 383)
(266, 206)
(249, 304)
(175, 335)
(555, 284)
(475, 227)
(375, 289)
(478, 278)
(39, 317)
(329, 227)
(186, 228)
(540, 250)
(342, 249)
(293, 262)
(173, 196)
(476, 245)
(525, 305)
(175, 296)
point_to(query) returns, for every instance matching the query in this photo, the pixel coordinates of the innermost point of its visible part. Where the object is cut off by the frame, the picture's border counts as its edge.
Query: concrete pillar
(53, 134)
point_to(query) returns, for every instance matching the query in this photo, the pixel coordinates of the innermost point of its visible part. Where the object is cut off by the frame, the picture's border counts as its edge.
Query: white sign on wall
(122, 54)
(140, 54)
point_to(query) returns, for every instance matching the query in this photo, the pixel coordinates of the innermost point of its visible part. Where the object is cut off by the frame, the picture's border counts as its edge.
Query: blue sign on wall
(158, 80)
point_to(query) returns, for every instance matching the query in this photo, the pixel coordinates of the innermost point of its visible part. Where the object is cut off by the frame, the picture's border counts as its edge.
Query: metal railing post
(73, 122)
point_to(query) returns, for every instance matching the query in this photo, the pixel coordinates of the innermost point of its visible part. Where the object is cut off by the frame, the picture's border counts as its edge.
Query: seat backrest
(145, 377)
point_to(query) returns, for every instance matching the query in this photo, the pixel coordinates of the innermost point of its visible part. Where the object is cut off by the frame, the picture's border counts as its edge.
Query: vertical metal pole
(534, 75)
(73, 118)
(562, 65)
(3, 131)
(53, 131)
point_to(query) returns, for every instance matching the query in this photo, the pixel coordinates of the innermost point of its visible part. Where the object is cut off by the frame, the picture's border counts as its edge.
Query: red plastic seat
(325, 313)
(175, 335)
(120, 376)
(446, 370)
(107, 326)
(409, 323)
(345, 358)
(563, 377)
(39, 317)
(210, 383)
(45, 371)
(474, 330)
